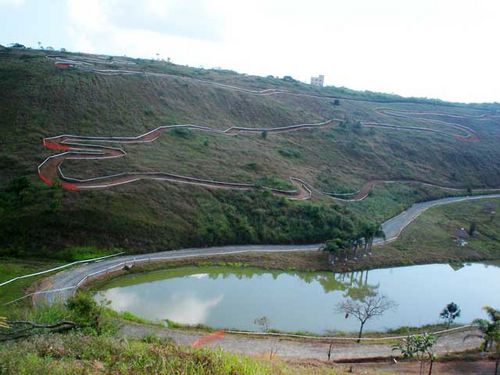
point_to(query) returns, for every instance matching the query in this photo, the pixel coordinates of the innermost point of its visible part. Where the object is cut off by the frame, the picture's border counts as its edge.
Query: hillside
(353, 142)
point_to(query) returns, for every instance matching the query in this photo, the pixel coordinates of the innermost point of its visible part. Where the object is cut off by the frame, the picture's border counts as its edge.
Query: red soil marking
(55, 146)
(45, 180)
(217, 335)
(69, 186)
(63, 65)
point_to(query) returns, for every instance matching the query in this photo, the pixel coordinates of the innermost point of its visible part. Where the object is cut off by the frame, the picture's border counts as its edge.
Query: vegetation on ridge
(41, 101)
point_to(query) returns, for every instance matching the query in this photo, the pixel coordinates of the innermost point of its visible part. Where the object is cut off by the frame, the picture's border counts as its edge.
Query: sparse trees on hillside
(472, 228)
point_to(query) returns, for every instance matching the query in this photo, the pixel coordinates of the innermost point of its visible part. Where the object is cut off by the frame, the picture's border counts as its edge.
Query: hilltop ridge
(391, 150)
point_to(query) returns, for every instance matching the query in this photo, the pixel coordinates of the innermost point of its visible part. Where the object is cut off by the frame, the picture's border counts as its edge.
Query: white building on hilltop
(318, 81)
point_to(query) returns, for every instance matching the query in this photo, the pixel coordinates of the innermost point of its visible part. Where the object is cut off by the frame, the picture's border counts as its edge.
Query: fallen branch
(24, 328)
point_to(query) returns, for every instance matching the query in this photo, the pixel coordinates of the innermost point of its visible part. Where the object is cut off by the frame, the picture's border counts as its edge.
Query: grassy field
(10, 268)
(77, 354)
(37, 101)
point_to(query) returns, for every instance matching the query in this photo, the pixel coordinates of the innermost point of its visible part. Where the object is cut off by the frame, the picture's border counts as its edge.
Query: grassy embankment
(429, 239)
(40, 101)
(77, 354)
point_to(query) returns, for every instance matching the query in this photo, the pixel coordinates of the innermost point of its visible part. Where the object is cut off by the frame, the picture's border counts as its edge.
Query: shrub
(289, 153)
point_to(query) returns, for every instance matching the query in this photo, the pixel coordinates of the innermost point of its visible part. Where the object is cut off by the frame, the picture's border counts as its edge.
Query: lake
(233, 297)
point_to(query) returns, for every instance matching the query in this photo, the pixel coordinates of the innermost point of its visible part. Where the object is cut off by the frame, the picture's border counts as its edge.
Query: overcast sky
(448, 49)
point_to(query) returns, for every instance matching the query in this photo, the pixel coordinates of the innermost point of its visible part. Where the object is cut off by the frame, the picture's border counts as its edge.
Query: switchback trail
(89, 147)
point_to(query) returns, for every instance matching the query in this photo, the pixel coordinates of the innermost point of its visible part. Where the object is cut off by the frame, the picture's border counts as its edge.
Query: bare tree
(366, 308)
(264, 322)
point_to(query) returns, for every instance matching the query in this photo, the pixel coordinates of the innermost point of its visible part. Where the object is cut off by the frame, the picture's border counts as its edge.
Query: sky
(447, 49)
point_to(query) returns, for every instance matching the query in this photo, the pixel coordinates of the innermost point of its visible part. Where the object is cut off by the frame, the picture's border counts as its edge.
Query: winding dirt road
(88, 147)
(301, 349)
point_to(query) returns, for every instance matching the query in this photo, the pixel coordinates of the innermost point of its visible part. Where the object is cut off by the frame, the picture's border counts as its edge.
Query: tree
(472, 228)
(365, 309)
(370, 231)
(263, 322)
(333, 247)
(490, 329)
(336, 102)
(490, 332)
(450, 313)
(263, 134)
(419, 346)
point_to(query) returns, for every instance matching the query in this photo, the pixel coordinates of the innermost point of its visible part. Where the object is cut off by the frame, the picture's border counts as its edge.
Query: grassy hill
(38, 100)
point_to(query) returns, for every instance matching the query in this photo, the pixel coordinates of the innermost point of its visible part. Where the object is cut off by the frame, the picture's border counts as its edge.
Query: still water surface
(226, 297)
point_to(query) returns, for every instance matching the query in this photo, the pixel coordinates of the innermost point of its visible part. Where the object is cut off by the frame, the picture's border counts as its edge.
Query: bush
(289, 153)
(88, 314)
(182, 133)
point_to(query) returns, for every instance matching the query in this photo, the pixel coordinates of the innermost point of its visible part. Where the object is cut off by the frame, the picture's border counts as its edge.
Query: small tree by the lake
(365, 309)
(490, 333)
(450, 313)
(263, 322)
(420, 347)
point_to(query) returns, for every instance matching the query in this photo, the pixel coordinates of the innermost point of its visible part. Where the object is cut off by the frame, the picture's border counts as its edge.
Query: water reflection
(226, 297)
(186, 307)
(189, 309)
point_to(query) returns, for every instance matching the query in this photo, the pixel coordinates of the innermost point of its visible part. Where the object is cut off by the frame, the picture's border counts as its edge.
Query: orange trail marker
(217, 335)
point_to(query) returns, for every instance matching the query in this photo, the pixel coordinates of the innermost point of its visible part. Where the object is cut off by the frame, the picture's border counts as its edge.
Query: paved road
(393, 227)
(69, 279)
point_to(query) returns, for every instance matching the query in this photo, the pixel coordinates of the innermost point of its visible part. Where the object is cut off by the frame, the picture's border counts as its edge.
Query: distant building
(318, 81)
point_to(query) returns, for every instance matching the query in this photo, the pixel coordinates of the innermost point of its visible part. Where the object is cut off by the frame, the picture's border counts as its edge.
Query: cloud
(189, 309)
(181, 307)
(13, 3)
(189, 19)
(428, 48)
(115, 19)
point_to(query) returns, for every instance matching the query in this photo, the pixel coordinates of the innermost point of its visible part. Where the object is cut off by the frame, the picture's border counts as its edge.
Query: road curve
(64, 284)
(87, 147)
(79, 147)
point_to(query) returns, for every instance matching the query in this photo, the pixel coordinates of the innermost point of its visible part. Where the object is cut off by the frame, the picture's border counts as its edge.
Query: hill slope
(371, 138)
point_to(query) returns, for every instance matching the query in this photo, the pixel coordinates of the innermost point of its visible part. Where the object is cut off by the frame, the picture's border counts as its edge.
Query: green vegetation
(450, 313)
(91, 347)
(434, 233)
(39, 101)
(10, 268)
(420, 347)
(73, 353)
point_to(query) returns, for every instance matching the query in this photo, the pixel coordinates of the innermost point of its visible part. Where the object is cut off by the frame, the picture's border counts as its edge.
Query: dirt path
(88, 147)
(298, 349)
(464, 367)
